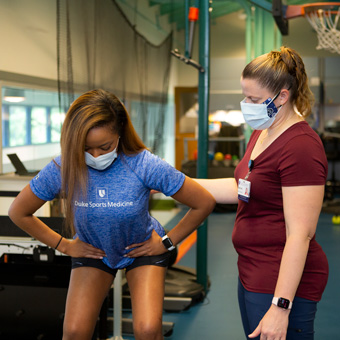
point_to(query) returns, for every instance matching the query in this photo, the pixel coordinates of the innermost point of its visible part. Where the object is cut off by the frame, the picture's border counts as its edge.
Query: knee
(75, 332)
(148, 331)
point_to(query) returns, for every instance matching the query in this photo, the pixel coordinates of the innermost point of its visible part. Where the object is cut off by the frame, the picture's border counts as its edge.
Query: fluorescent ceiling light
(14, 95)
(232, 117)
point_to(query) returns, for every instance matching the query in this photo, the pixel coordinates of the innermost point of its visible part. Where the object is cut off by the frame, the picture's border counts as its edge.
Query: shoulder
(302, 137)
(303, 129)
(46, 185)
(154, 172)
(302, 156)
(57, 161)
(144, 157)
(53, 166)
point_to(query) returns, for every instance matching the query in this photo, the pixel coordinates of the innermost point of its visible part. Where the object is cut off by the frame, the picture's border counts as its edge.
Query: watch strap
(282, 302)
(167, 243)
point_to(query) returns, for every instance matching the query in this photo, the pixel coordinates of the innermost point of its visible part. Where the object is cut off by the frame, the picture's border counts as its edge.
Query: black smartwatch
(167, 243)
(282, 303)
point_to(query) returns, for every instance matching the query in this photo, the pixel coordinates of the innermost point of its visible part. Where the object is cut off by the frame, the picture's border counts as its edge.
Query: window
(33, 119)
(31, 126)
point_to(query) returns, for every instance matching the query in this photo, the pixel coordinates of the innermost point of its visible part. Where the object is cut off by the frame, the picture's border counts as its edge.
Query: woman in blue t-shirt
(105, 175)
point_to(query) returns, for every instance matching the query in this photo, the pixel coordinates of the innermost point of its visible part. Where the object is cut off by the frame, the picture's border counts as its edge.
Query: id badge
(243, 190)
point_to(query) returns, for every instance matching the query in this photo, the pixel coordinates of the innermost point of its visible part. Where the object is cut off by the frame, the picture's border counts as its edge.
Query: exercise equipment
(336, 219)
(33, 288)
(219, 156)
(203, 122)
(322, 16)
(331, 204)
(182, 290)
(211, 155)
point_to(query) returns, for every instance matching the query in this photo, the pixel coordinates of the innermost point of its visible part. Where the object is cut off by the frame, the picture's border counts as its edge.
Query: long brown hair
(96, 108)
(283, 69)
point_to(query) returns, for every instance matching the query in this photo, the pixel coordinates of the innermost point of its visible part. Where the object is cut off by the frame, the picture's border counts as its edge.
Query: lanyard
(250, 168)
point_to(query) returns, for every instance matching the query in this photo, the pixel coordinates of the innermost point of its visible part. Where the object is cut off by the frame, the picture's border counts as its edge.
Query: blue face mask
(103, 161)
(260, 116)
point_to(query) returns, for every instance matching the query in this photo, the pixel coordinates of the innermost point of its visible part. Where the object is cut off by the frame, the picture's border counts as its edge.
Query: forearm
(201, 204)
(21, 212)
(37, 229)
(224, 190)
(292, 265)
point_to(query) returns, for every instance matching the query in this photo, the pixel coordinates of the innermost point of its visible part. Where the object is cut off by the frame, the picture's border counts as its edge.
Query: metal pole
(321, 127)
(117, 307)
(203, 136)
(187, 47)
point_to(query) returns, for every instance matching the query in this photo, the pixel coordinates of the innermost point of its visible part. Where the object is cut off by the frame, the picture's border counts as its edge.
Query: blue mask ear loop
(278, 95)
(274, 98)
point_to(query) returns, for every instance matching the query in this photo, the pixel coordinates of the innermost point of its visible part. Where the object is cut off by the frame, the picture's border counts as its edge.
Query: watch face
(283, 303)
(167, 242)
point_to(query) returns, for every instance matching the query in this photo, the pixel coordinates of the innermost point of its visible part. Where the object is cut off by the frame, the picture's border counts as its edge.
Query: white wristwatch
(282, 302)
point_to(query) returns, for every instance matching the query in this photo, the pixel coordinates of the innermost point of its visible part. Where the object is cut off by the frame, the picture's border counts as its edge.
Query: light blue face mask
(260, 116)
(103, 161)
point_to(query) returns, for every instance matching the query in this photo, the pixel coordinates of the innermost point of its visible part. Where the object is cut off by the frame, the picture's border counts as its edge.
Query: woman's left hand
(150, 247)
(273, 325)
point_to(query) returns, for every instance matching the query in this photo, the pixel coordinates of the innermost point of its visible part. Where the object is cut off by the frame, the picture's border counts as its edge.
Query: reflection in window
(56, 120)
(17, 125)
(39, 125)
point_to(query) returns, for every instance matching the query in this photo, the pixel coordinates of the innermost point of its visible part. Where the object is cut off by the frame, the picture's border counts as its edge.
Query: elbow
(210, 204)
(11, 213)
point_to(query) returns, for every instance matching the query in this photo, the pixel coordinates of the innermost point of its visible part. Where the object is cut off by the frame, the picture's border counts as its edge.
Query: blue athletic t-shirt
(115, 212)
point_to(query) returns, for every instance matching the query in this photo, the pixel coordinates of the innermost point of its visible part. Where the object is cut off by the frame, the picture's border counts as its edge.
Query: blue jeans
(253, 306)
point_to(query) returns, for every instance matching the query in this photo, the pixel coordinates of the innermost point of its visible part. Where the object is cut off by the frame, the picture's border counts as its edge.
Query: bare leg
(146, 285)
(87, 290)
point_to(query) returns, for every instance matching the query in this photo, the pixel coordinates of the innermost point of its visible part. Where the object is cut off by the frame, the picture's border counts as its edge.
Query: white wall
(28, 37)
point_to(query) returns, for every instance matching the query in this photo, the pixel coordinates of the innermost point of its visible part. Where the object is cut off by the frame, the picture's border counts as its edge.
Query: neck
(283, 121)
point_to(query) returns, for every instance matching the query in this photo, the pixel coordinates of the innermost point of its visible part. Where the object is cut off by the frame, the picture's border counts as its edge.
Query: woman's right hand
(78, 248)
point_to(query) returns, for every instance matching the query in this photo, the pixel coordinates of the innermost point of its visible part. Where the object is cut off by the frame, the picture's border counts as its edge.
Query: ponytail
(301, 95)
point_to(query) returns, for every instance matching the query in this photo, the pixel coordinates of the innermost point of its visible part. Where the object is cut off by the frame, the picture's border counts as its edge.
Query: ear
(283, 96)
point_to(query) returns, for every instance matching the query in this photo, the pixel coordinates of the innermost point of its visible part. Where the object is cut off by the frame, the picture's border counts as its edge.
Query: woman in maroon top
(279, 188)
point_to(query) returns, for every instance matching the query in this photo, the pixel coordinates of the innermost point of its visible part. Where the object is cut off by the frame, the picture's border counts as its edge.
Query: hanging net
(324, 18)
(97, 47)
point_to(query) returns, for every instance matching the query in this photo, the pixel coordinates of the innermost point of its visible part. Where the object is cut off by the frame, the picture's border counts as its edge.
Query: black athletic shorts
(162, 260)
